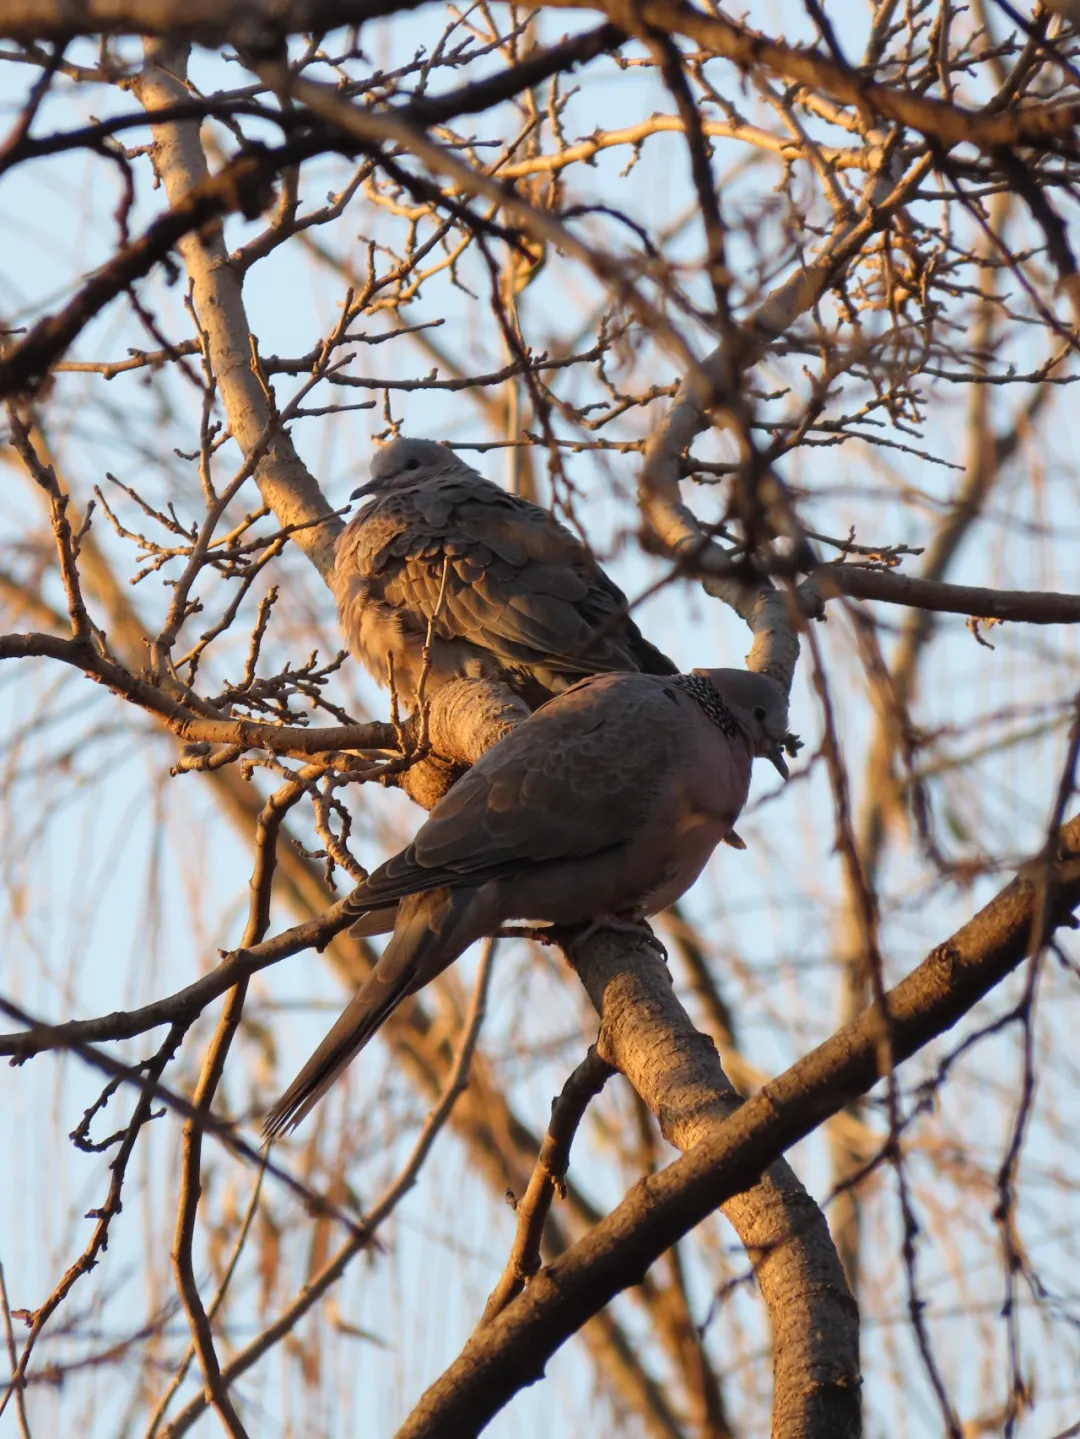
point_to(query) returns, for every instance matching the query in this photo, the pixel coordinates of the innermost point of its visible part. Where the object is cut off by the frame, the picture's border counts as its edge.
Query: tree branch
(511, 1352)
(254, 22)
(191, 727)
(241, 186)
(284, 482)
(548, 1177)
(1033, 607)
(947, 125)
(267, 830)
(187, 1003)
(646, 1034)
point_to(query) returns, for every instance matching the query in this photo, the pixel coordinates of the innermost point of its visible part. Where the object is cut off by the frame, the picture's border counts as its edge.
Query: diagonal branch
(646, 1033)
(252, 22)
(548, 1178)
(512, 1351)
(241, 186)
(947, 125)
(186, 1004)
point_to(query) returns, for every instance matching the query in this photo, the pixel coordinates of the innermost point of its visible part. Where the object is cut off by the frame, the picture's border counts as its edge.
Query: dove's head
(759, 704)
(404, 460)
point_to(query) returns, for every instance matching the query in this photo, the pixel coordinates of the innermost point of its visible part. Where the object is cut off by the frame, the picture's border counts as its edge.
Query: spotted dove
(515, 595)
(605, 803)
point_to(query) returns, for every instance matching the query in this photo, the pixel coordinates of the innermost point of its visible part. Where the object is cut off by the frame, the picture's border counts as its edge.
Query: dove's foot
(620, 924)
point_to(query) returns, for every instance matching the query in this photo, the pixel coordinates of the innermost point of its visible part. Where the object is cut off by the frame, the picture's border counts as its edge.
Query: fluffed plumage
(524, 602)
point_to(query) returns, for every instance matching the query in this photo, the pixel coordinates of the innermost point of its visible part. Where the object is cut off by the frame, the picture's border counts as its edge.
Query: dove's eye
(759, 714)
(413, 464)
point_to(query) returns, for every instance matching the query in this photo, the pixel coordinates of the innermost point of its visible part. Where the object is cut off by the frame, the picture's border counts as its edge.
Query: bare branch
(548, 1178)
(513, 1349)
(1033, 607)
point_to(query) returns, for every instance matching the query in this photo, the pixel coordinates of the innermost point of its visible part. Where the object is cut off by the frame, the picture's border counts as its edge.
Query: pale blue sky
(81, 939)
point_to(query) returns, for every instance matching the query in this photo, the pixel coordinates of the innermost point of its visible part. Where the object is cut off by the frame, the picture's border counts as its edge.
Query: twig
(547, 1179)
(268, 826)
(66, 544)
(316, 1287)
(149, 1085)
(17, 1382)
(225, 1134)
(215, 1304)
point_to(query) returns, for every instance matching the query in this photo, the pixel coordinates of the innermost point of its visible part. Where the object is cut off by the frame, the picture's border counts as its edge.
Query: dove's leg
(621, 924)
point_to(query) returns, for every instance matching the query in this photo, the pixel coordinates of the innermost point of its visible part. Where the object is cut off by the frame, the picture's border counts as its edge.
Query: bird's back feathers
(522, 599)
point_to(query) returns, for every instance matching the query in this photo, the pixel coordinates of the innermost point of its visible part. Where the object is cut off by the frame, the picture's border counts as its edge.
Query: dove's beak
(775, 755)
(364, 490)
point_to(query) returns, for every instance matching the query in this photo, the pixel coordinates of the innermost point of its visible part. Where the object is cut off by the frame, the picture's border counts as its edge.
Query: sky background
(120, 884)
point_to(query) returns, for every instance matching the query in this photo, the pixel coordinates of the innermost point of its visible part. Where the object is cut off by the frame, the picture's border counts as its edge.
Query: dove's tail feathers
(375, 921)
(338, 1050)
(431, 931)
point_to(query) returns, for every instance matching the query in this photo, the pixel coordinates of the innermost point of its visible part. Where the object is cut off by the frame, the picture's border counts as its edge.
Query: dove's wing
(514, 583)
(577, 778)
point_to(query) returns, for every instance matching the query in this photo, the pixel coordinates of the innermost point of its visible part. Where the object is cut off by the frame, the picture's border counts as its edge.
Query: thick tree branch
(204, 21)
(648, 1036)
(180, 161)
(1033, 607)
(255, 22)
(512, 1351)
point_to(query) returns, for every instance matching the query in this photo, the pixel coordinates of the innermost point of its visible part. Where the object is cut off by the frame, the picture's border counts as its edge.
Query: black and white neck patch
(712, 702)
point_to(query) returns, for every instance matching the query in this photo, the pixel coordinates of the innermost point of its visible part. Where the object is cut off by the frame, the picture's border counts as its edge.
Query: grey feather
(524, 601)
(608, 800)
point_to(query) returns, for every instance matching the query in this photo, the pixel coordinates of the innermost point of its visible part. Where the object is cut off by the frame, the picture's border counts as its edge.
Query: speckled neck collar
(711, 701)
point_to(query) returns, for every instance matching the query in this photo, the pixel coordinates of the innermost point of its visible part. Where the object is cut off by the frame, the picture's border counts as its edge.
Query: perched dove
(522, 599)
(605, 803)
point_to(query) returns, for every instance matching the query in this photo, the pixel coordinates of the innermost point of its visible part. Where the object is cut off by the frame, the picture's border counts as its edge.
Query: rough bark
(462, 722)
(464, 718)
(512, 1351)
(648, 1036)
(180, 163)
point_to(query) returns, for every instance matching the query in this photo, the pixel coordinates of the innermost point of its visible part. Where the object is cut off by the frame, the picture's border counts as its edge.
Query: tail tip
(279, 1121)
